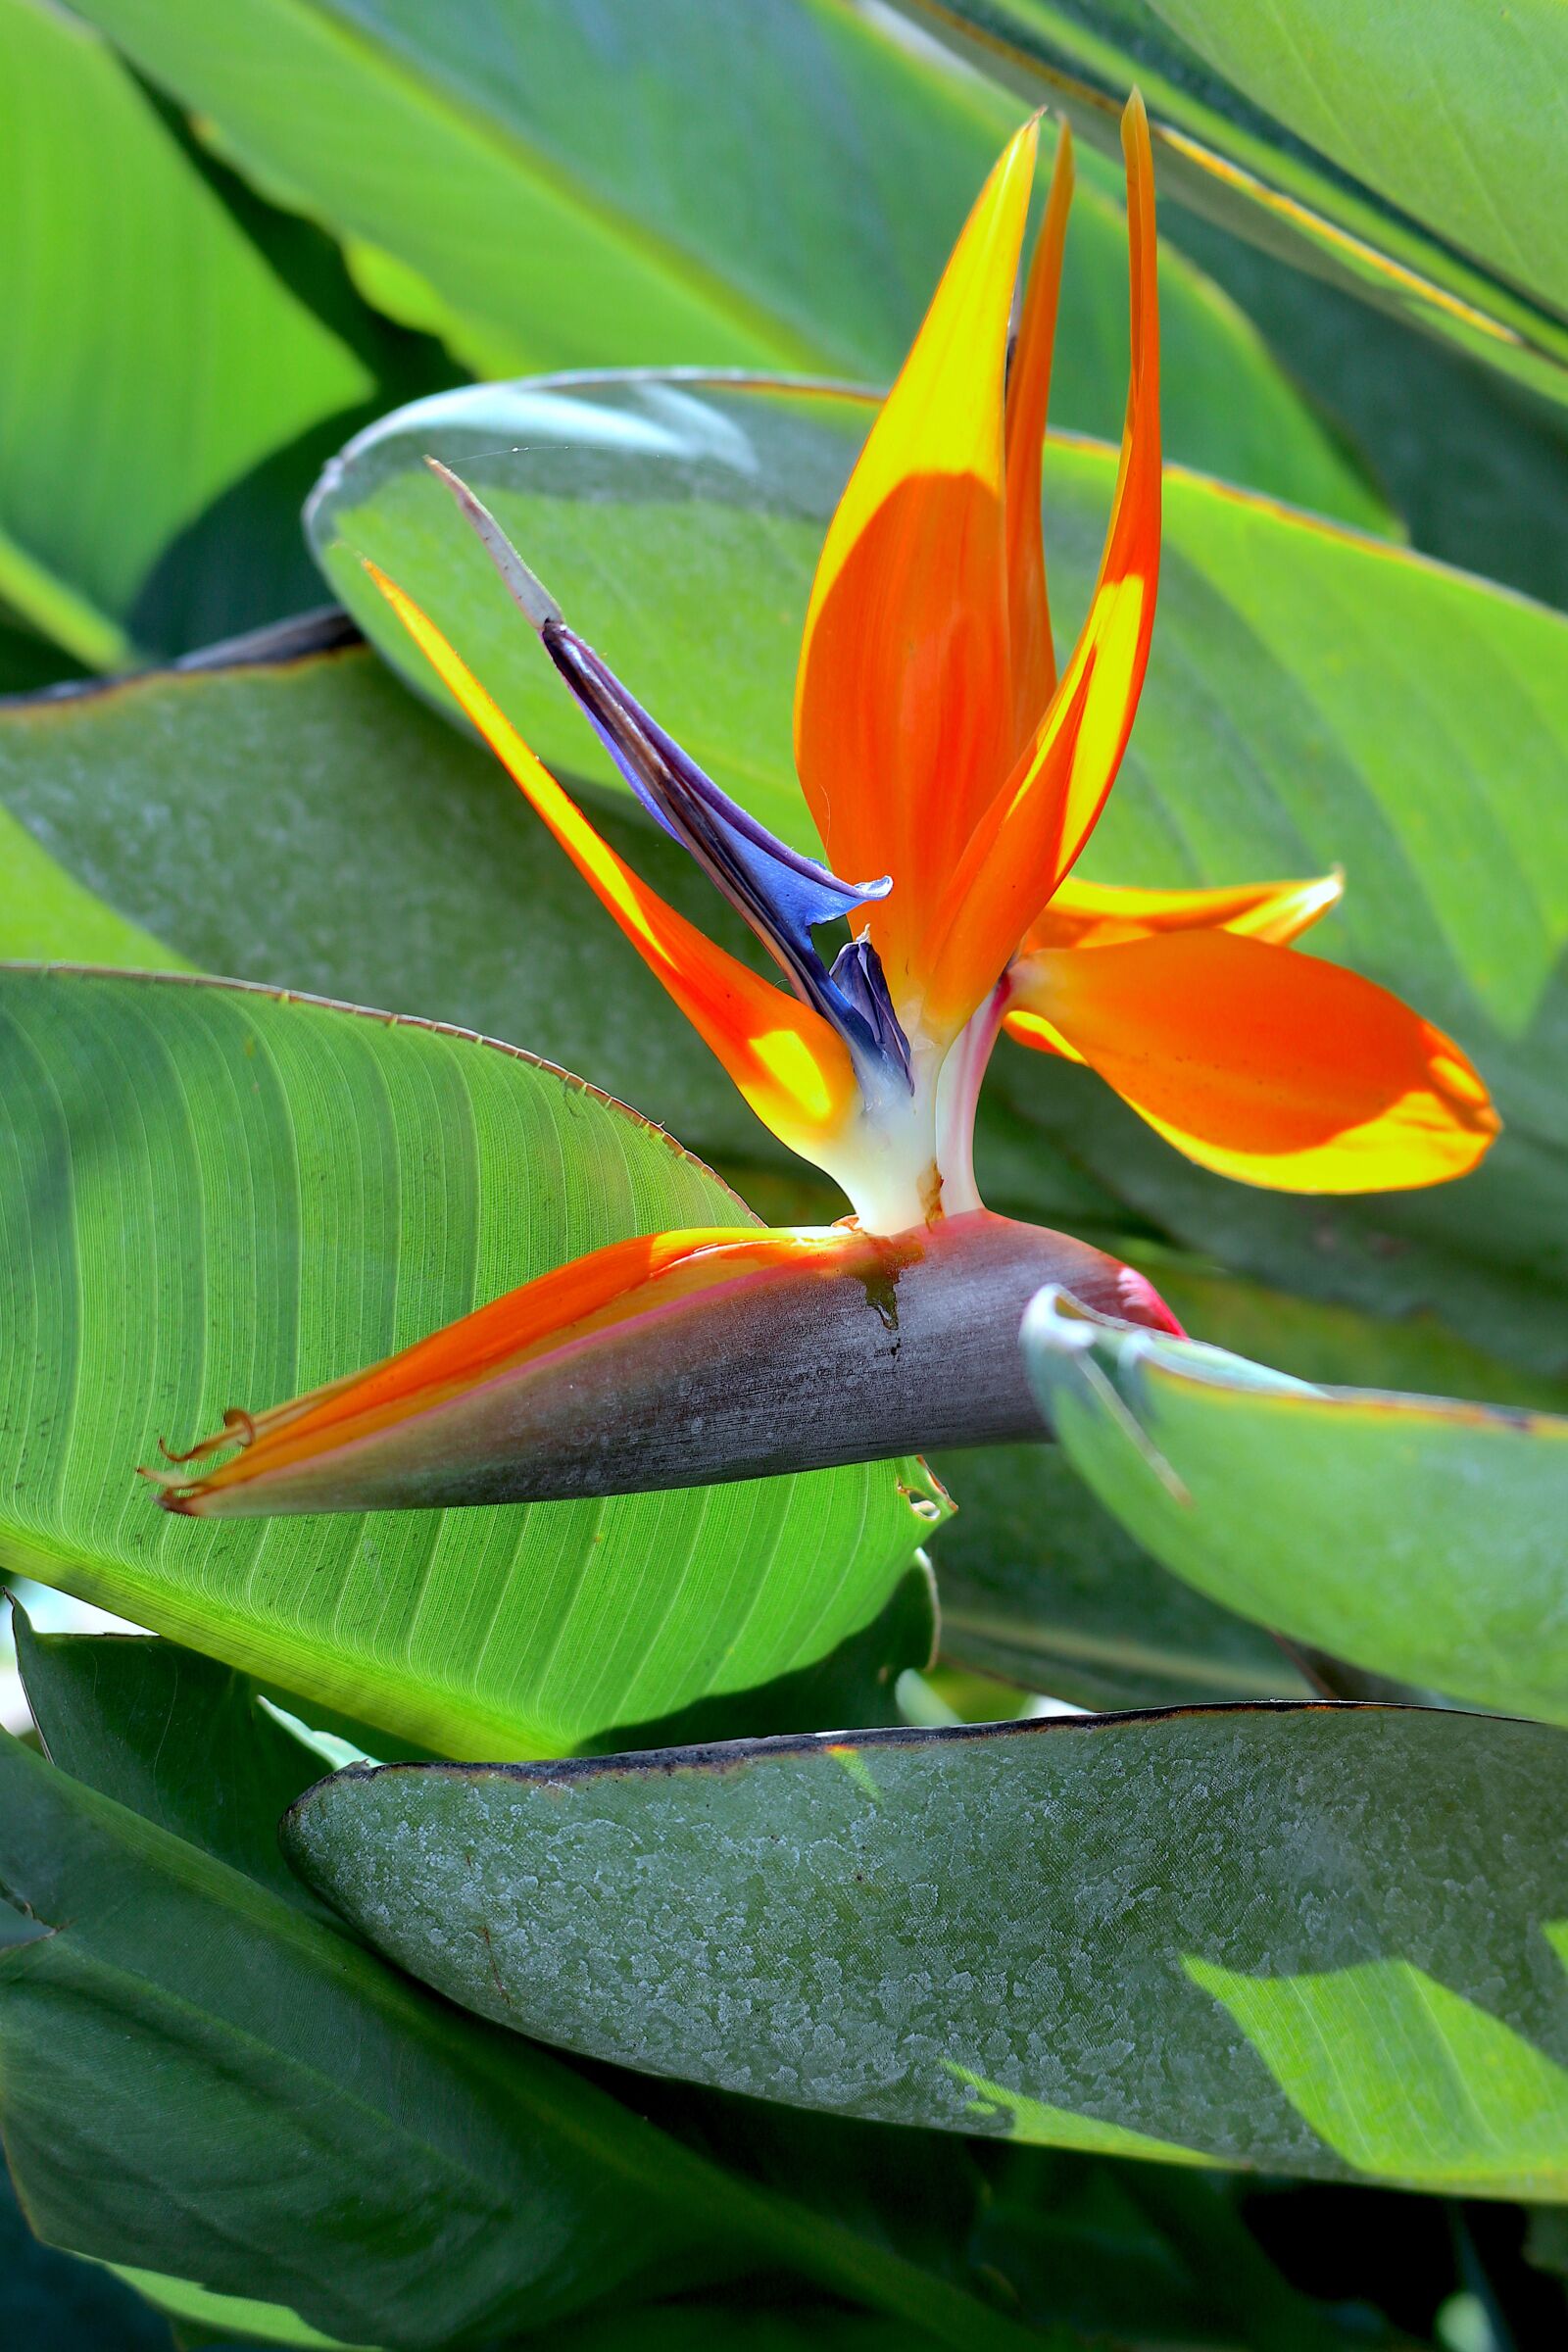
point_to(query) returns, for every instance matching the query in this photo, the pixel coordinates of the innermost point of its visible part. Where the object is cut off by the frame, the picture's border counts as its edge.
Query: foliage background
(230, 241)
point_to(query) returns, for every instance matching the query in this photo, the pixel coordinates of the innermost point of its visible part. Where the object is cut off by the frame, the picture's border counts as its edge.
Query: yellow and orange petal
(1039, 820)
(1033, 657)
(1274, 1068)
(1107, 915)
(903, 709)
(792, 1069)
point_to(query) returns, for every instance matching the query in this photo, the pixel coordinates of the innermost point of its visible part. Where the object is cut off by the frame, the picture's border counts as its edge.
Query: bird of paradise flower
(941, 755)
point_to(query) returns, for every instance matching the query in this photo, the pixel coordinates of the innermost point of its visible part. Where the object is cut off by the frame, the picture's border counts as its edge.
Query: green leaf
(199, 2081)
(1040, 1584)
(173, 1736)
(1417, 1537)
(211, 2317)
(217, 1195)
(1314, 699)
(114, 239)
(1467, 149)
(222, 2096)
(384, 861)
(1473, 2088)
(1478, 478)
(998, 1930)
(554, 185)
(1218, 152)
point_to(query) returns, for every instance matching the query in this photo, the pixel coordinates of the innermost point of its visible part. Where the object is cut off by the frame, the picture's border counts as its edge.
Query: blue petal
(781, 894)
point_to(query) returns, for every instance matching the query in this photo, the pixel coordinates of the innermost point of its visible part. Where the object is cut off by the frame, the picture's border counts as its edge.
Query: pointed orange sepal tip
(409, 1422)
(1028, 401)
(682, 1360)
(903, 709)
(1103, 915)
(791, 1067)
(1035, 825)
(1273, 1069)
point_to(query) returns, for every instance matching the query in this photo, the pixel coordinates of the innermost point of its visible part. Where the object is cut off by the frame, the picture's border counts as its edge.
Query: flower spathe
(955, 776)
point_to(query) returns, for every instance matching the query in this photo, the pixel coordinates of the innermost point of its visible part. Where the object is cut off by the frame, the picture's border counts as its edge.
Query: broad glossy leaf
(554, 184)
(117, 247)
(1479, 480)
(1216, 150)
(174, 1736)
(1086, 1931)
(1467, 149)
(198, 2081)
(205, 2086)
(216, 1194)
(1314, 699)
(1420, 1537)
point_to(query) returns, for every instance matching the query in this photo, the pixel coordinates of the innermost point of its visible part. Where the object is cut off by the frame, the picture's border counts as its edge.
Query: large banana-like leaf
(199, 2082)
(1421, 1538)
(553, 183)
(1047, 1587)
(215, 1196)
(216, 2095)
(1318, 1939)
(117, 247)
(1314, 699)
(1458, 152)
(1467, 149)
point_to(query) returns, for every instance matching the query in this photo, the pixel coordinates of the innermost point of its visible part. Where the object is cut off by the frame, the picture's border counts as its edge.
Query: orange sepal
(318, 1451)
(791, 1068)
(902, 708)
(1035, 826)
(1260, 1064)
(1107, 915)
(1033, 657)
(1273, 1069)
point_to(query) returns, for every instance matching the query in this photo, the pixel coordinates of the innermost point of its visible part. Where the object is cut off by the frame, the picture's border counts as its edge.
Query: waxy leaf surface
(1314, 699)
(558, 183)
(1420, 1537)
(1121, 1932)
(733, 2188)
(217, 1197)
(198, 2081)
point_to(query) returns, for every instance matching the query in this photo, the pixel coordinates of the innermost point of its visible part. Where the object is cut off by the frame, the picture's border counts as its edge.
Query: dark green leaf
(199, 2081)
(1316, 1940)
(175, 1736)
(249, 1195)
(1041, 1585)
